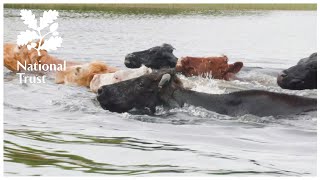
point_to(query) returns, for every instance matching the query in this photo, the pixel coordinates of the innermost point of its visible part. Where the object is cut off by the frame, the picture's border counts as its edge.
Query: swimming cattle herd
(151, 80)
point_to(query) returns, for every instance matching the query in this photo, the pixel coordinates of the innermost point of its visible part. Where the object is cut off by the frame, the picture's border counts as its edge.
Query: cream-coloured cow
(121, 75)
(81, 75)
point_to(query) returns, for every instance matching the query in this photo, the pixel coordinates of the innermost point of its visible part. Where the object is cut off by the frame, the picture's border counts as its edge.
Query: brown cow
(81, 75)
(76, 73)
(217, 67)
(13, 53)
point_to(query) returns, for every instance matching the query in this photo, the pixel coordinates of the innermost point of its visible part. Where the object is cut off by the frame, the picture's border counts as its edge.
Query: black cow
(165, 88)
(301, 76)
(156, 58)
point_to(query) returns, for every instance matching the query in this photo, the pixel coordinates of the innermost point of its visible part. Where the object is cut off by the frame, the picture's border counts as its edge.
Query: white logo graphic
(27, 37)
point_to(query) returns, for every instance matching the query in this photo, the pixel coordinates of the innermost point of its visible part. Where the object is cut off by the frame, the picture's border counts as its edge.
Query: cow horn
(165, 78)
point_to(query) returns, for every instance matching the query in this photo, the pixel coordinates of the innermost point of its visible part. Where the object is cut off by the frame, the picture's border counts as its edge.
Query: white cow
(121, 75)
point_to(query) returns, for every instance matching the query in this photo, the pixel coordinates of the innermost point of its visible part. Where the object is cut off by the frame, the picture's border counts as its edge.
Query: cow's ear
(164, 80)
(167, 47)
(37, 43)
(171, 49)
(77, 71)
(225, 57)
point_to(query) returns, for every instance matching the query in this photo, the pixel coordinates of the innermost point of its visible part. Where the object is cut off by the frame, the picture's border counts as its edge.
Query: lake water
(52, 129)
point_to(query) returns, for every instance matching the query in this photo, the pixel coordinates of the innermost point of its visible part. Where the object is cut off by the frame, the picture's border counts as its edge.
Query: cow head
(217, 67)
(301, 76)
(81, 75)
(156, 58)
(144, 92)
(13, 54)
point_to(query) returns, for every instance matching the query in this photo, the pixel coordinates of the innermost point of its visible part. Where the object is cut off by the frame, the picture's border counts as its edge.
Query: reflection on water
(52, 129)
(35, 157)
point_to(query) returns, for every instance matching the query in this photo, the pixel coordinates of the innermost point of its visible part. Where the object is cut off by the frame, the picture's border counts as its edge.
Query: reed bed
(163, 8)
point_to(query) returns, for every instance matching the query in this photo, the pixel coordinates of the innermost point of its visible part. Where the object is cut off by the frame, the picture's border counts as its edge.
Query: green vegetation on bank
(163, 8)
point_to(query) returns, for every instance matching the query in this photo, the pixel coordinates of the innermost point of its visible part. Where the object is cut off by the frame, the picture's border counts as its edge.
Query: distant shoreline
(163, 8)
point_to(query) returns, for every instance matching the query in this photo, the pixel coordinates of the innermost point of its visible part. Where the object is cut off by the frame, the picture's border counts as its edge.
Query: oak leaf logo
(27, 37)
